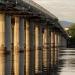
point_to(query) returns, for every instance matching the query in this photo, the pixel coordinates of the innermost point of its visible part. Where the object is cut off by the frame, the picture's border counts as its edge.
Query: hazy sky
(63, 9)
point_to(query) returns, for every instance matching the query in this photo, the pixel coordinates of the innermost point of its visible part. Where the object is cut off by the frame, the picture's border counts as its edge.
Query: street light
(70, 36)
(66, 29)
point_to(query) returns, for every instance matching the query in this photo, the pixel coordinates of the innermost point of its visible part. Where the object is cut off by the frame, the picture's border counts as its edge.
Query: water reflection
(66, 65)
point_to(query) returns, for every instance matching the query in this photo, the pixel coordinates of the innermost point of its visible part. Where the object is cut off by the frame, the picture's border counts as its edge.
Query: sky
(63, 9)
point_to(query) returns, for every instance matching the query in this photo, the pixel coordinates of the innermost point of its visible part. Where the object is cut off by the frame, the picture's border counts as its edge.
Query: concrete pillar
(36, 49)
(56, 47)
(49, 46)
(2, 44)
(32, 47)
(64, 42)
(8, 45)
(52, 47)
(12, 53)
(16, 46)
(40, 48)
(59, 44)
(48, 49)
(27, 48)
(59, 40)
(21, 46)
(45, 49)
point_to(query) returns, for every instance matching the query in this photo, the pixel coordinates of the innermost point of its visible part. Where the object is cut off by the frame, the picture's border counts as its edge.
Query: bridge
(30, 38)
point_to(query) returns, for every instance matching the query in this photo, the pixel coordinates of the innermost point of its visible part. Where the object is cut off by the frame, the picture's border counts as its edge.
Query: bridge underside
(30, 40)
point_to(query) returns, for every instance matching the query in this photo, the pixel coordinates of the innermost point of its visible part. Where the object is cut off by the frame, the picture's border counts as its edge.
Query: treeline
(71, 33)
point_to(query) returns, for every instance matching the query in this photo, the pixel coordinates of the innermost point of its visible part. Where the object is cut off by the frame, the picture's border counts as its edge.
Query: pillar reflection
(2, 44)
(16, 46)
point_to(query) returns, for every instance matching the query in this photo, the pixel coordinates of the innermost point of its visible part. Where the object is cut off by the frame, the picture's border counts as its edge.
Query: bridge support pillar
(21, 46)
(2, 44)
(27, 48)
(16, 46)
(32, 47)
(59, 46)
(56, 47)
(64, 42)
(38, 49)
(61, 39)
(46, 49)
(52, 47)
(8, 45)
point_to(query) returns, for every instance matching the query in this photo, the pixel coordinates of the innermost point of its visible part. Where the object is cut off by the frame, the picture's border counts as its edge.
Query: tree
(72, 34)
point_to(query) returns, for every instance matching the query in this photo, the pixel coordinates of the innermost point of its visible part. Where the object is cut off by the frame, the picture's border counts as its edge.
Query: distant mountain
(65, 24)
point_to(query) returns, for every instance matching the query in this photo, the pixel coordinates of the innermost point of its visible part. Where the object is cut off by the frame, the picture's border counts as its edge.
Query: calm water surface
(66, 64)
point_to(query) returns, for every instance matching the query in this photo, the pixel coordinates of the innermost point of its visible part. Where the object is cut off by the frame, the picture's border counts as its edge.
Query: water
(66, 65)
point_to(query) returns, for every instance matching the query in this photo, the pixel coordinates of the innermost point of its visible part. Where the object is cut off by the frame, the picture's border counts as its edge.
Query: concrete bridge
(30, 38)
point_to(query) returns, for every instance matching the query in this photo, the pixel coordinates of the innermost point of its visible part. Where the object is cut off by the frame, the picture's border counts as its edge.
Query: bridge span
(30, 38)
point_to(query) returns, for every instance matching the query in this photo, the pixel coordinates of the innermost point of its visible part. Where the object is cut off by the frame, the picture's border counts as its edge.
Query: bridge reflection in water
(66, 65)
